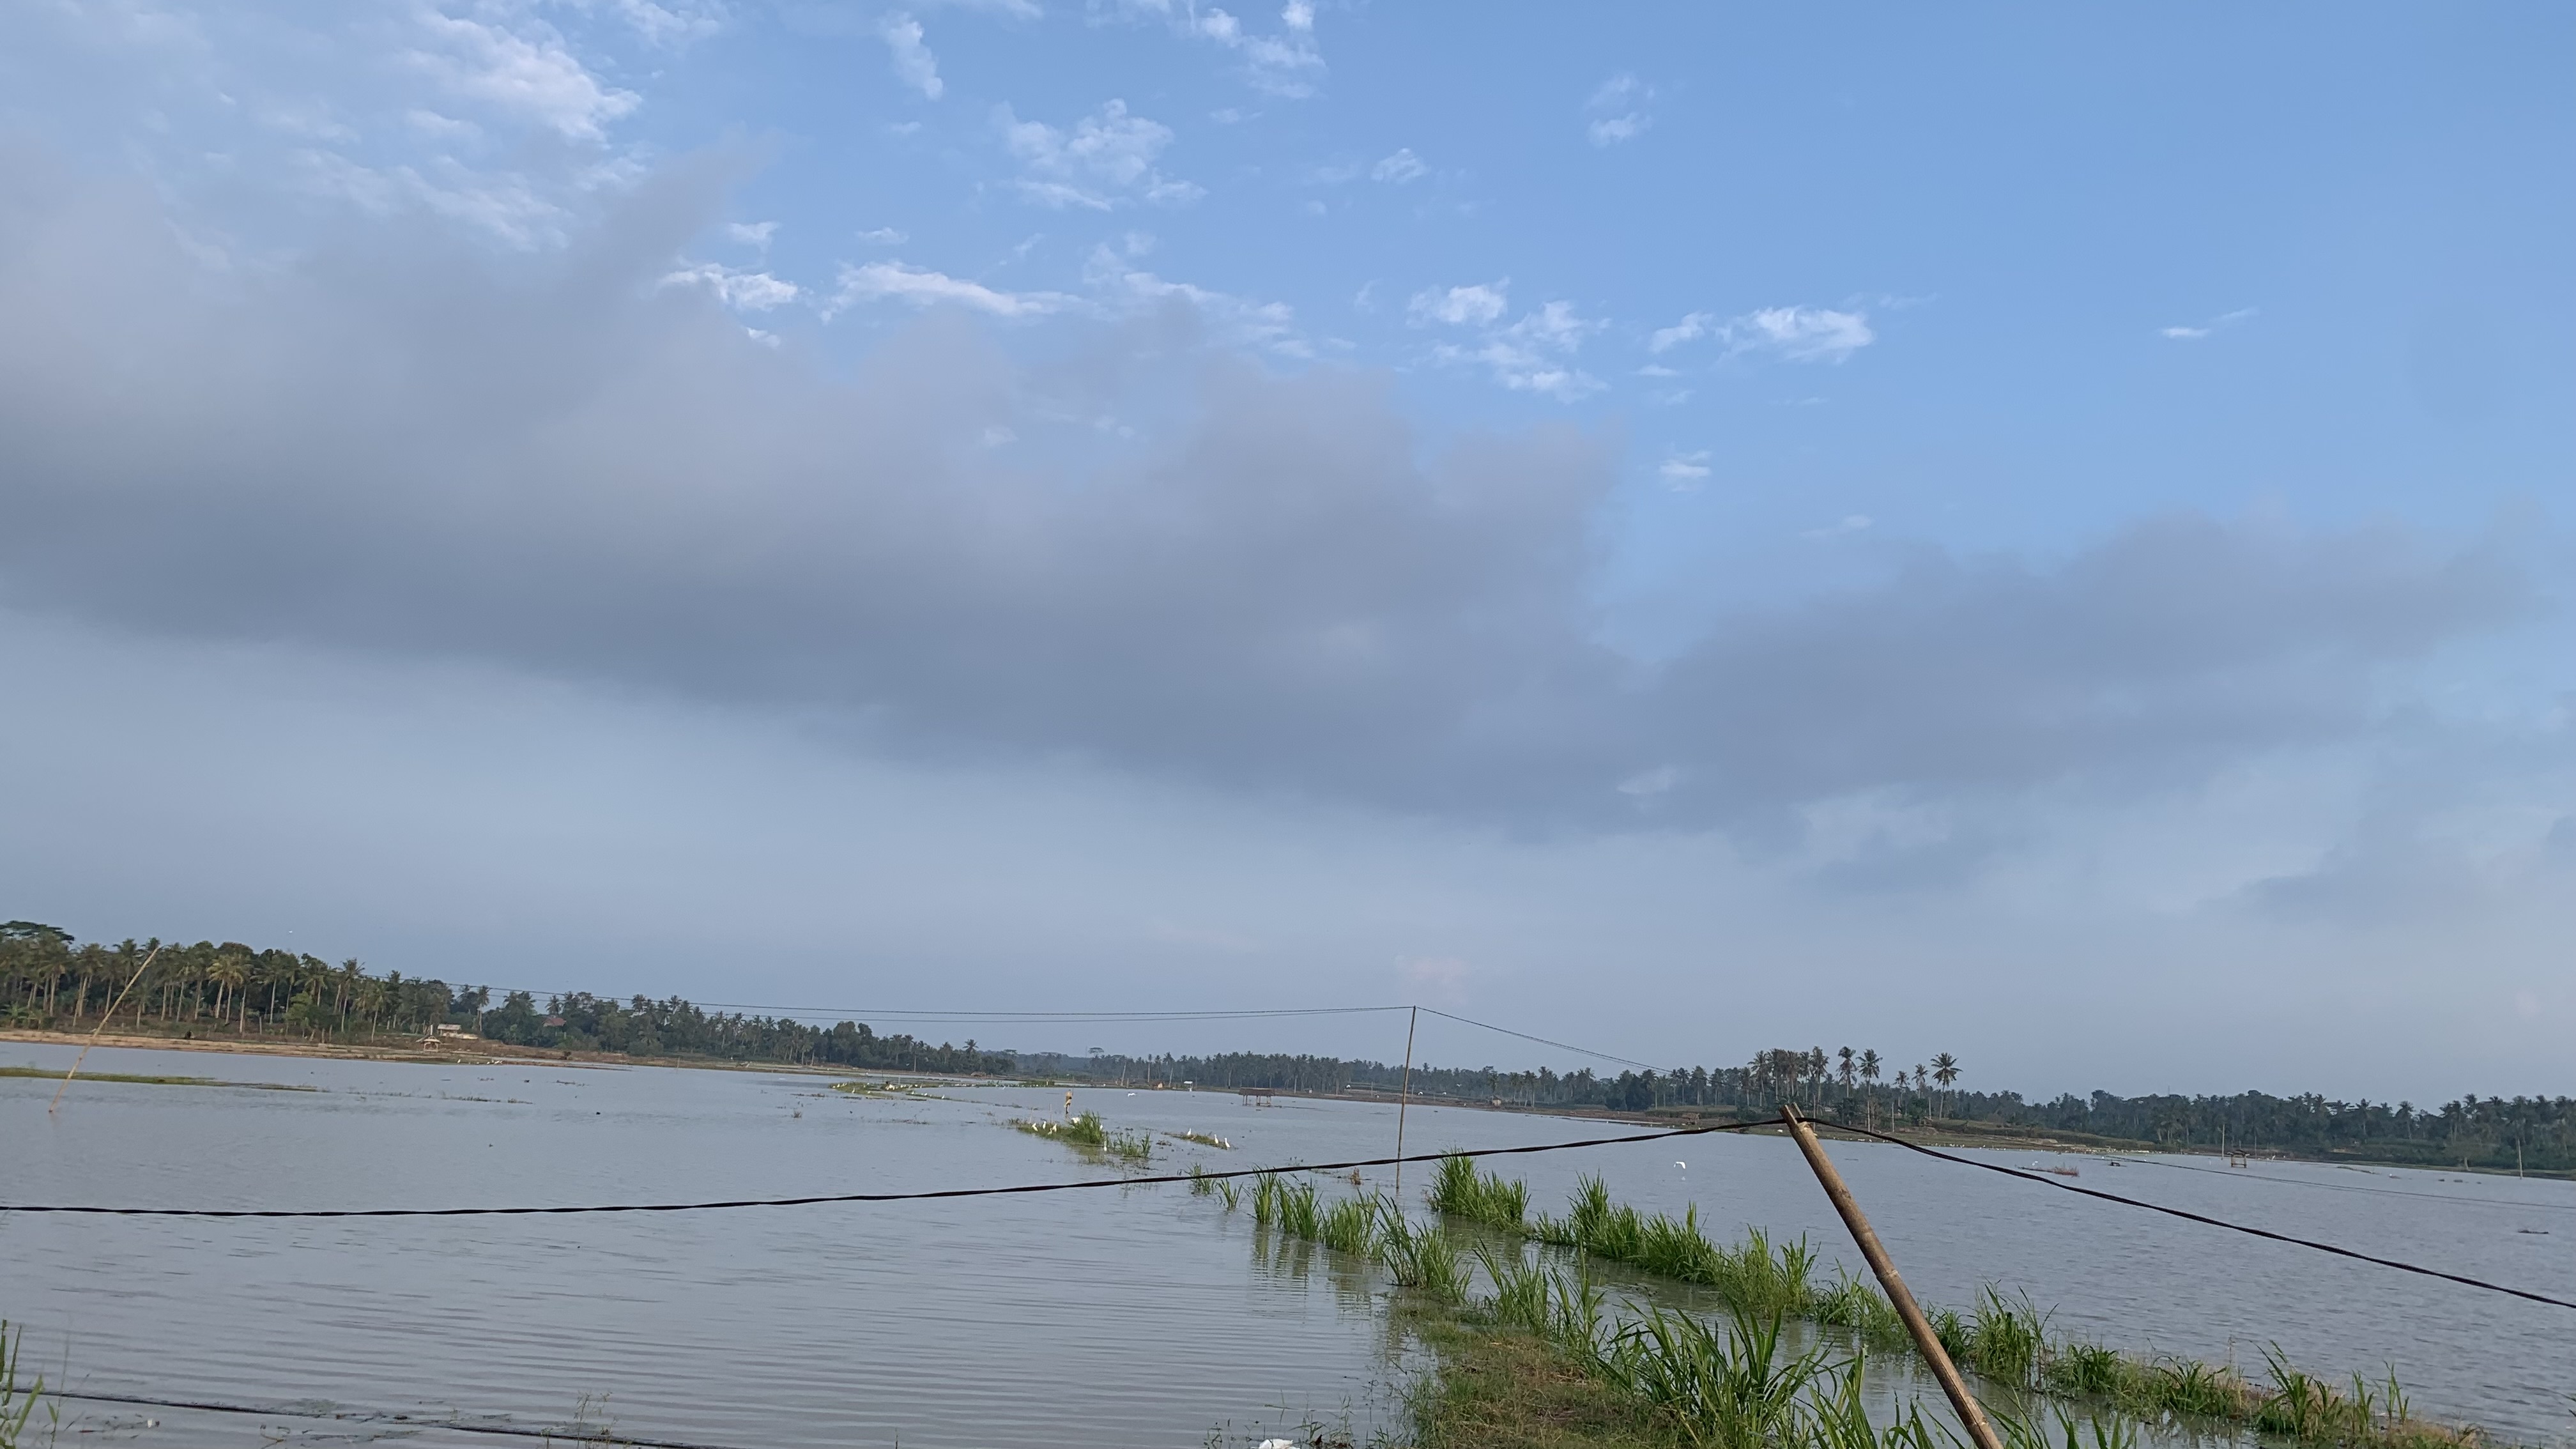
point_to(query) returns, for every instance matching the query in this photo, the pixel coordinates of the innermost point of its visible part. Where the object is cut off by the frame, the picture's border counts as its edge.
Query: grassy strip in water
(1538, 1366)
(51, 1075)
(1203, 1139)
(2004, 1340)
(1089, 1133)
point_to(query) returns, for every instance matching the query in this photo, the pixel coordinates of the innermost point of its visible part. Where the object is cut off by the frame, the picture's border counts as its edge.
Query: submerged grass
(2004, 1340)
(50, 1074)
(1538, 1366)
(1087, 1131)
(18, 1401)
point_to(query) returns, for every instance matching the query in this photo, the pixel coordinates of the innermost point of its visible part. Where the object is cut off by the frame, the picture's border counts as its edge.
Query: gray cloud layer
(402, 445)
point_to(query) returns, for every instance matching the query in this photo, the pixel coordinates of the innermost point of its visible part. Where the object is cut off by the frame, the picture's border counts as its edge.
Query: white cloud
(1285, 64)
(2215, 324)
(1650, 783)
(1690, 329)
(1240, 321)
(525, 73)
(895, 282)
(914, 65)
(745, 290)
(504, 206)
(752, 233)
(1106, 159)
(885, 236)
(665, 25)
(1534, 354)
(1399, 168)
(1458, 306)
(1798, 334)
(1684, 472)
(1849, 523)
(1619, 110)
(1803, 334)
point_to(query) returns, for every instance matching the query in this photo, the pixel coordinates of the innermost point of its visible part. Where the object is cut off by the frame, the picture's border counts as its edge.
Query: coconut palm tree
(1945, 1070)
(1844, 1069)
(231, 975)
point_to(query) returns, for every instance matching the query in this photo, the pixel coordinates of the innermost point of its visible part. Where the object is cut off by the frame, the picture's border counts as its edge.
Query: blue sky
(1998, 514)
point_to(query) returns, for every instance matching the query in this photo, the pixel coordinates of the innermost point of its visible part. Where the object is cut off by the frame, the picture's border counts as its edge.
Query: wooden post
(1404, 1097)
(1925, 1340)
(102, 1026)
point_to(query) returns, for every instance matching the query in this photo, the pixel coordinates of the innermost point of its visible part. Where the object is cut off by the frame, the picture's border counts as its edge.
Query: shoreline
(464, 1053)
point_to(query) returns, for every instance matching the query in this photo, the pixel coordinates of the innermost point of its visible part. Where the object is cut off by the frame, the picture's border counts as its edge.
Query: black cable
(1149, 1181)
(2239, 1175)
(604, 1436)
(2199, 1218)
(950, 1192)
(1542, 1041)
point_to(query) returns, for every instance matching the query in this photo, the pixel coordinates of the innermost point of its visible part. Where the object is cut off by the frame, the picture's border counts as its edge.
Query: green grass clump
(1350, 1226)
(1088, 1132)
(2005, 1340)
(1421, 1256)
(1204, 1140)
(1728, 1388)
(1458, 1189)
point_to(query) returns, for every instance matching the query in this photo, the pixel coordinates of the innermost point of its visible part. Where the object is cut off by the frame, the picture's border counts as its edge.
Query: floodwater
(1101, 1318)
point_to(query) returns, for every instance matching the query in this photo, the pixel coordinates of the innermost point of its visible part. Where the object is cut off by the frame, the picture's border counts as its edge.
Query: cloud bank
(562, 465)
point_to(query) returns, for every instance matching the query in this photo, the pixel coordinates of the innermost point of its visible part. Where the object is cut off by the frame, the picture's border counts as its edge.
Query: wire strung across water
(1171, 1177)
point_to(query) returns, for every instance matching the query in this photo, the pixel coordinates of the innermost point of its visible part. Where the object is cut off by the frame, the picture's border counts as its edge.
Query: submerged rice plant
(1726, 1389)
(1423, 1256)
(1350, 1226)
(2006, 1340)
(1520, 1297)
(1461, 1191)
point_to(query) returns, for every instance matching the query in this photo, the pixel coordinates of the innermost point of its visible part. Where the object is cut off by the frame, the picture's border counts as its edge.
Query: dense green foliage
(229, 989)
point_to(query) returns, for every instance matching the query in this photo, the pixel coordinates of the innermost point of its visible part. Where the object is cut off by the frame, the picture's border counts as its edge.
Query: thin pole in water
(102, 1026)
(1404, 1095)
(1926, 1341)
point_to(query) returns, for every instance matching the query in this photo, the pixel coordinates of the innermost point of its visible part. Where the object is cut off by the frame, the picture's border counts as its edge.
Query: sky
(2040, 534)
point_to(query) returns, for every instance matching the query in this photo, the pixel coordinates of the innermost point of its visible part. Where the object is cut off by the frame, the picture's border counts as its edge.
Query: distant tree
(1945, 1070)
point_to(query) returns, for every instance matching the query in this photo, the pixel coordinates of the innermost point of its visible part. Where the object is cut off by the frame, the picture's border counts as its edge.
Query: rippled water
(1125, 1317)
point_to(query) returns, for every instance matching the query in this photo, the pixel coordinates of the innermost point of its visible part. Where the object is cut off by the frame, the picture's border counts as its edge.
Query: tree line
(229, 989)
(49, 980)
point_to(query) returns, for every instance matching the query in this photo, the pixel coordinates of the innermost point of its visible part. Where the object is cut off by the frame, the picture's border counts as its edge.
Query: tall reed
(2005, 1340)
(18, 1401)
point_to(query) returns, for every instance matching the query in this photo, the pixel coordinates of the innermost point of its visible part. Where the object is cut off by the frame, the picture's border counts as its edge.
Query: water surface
(1119, 1317)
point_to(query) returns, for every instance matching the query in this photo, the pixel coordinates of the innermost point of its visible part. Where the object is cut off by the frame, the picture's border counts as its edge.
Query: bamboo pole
(1403, 1097)
(1926, 1341)
(102, 1026)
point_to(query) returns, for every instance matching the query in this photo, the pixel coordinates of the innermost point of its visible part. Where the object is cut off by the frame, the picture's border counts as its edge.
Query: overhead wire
(927, 1195)
(2152, 1207)
(1024, 1189)
(2240, 1175)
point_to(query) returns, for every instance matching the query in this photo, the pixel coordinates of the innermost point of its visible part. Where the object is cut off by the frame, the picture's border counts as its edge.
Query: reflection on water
(1124, 1317)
